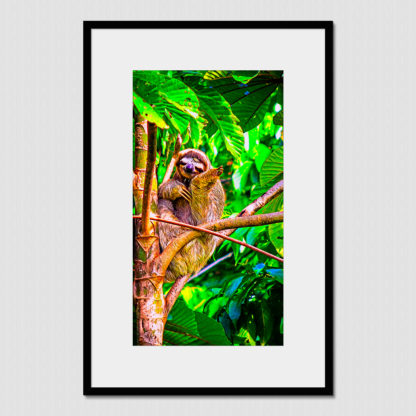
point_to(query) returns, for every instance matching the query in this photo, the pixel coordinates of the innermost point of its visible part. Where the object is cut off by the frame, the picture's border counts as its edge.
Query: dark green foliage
(186, 327)
(236, 118)
(250, 306)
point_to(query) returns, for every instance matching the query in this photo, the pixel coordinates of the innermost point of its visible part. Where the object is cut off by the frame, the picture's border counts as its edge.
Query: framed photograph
(208, 208)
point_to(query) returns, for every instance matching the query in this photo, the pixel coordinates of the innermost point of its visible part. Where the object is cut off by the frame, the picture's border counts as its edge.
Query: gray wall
(41, 208)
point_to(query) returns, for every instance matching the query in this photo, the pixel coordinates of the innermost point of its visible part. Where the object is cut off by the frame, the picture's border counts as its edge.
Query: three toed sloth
(193, 196)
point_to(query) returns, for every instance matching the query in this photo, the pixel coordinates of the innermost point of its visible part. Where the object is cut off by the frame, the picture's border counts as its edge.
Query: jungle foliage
(236, 118)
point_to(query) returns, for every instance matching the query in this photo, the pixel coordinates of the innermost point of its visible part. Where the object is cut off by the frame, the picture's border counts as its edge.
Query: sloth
(194, 196)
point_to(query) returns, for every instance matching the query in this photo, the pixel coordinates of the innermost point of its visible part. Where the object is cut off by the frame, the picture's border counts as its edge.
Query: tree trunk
(147, 285)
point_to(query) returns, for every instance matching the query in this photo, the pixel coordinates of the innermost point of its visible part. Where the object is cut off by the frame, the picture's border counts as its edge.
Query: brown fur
(206, 205)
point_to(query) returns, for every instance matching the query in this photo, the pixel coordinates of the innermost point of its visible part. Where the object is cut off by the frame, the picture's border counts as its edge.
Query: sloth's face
(189, 167)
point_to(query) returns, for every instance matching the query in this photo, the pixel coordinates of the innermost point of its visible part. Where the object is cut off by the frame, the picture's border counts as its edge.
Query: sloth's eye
(199, 169)
(182, 163)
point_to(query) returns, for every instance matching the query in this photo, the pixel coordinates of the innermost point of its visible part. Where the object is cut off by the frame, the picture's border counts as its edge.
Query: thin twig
(148, 180)
(174, 159)
(210, 266)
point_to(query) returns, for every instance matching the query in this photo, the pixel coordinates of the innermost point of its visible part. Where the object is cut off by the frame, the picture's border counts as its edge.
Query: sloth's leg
(167, 232)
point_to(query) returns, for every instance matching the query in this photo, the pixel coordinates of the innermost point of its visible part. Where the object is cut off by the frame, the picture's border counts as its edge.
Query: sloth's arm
(173, 190)
(207, 178)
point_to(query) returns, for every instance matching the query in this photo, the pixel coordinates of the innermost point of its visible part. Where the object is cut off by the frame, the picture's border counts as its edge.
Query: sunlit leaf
(146, 110)
(195, 297)
(172, 100)
(220, 117)
(240, 176)
(272, 167)
(261, 152)
(211, 75)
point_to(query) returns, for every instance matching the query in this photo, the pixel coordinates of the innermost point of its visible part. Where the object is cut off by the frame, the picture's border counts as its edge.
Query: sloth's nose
(189, 168)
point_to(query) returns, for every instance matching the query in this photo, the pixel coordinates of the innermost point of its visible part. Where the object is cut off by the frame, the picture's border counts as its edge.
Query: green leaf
(254, 233)
(251, 328)
(234, 310)
(272, 167)
(211, 75)
(233, 286)
(244, 76)
(261, 153)
(160, 86)
(240, 176)
(249, 101)
(171, 99)
(278, 118)
(276, 235)
(195, 297)
(220, 118)
(146, 110)
(277, 274)
(275, 205)
(195, 132)
(264, 322)
(186, 327)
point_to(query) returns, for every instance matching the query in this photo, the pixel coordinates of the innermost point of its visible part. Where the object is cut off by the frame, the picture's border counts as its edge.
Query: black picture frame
(328, 389)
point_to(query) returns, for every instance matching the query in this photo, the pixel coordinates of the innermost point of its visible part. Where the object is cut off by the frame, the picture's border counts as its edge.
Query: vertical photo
(208, 240)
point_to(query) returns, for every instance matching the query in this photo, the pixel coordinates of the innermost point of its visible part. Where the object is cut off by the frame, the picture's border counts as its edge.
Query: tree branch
(148, 181)
(259, 203)
(175, 245)
(174, 159)
(205, 230)
(174, 292)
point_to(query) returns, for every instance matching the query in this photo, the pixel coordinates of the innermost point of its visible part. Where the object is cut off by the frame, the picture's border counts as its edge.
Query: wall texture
(41, 208)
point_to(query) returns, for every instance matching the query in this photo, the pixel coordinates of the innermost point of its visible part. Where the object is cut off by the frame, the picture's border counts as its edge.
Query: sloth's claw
(185, 194)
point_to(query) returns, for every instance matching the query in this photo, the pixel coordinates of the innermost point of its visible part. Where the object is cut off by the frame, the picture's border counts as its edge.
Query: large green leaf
(186, 327)
(272, 168)
(170, 89)
(172, 100)
(195, 128)
(217, 112)
(249, 100)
